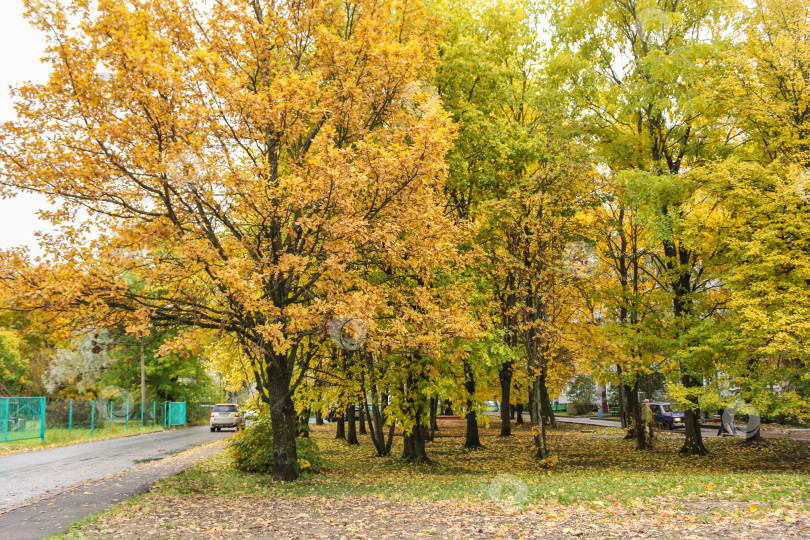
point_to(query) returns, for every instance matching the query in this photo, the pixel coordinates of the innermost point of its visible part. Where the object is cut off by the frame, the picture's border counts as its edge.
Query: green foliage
(252, 449)
(171, 376)
(13, 369)
(582, 394)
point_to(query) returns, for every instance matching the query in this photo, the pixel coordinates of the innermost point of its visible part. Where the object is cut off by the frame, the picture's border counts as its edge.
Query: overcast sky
(20, 49)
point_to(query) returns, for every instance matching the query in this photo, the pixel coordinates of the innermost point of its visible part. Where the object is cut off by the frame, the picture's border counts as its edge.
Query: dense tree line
(395, 205)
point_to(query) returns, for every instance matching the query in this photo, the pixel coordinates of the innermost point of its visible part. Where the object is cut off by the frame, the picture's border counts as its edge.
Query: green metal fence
(176, 415)
(100, 414)
(22, 418)
(31, 417)
(198, 412)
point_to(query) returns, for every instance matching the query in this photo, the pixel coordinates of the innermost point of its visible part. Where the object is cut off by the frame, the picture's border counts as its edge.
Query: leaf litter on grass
(598, 486)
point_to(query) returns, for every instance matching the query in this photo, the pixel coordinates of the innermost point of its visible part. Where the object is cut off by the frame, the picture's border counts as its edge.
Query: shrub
(252, 449)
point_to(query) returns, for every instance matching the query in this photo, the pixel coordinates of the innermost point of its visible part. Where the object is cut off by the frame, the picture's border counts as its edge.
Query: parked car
(226, 415)
(665, 417)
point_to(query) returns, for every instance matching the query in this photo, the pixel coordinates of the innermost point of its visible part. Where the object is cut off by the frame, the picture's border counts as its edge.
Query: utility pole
(143, 375)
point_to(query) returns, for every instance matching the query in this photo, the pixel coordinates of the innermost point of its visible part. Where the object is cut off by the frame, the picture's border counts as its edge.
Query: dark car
(665, 417)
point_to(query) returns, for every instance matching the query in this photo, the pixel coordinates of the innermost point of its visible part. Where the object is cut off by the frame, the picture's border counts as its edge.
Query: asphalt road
(710, 432)
(33, 475)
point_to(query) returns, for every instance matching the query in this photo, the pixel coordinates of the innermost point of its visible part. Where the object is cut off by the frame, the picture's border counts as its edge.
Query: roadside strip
(55, 514)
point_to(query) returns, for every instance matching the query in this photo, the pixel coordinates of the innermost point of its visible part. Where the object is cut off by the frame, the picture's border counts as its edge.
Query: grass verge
(60, 437)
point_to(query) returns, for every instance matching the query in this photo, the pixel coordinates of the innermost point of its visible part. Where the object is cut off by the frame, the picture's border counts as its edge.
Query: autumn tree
(170, 376)
(627, 304)
(487, 67)
(13, 368)
(639, 69)
(479, 79)
(241, 161)
(763, 210)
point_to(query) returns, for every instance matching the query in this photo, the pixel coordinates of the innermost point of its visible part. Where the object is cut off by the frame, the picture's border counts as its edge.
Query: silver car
(226, 415)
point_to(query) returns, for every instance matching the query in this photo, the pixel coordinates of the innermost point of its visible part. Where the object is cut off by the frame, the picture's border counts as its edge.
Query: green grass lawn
(594, 465)
(60, 437)
(595, 479)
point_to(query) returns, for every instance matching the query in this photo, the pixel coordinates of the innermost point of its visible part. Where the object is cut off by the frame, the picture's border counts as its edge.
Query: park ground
(596, 486)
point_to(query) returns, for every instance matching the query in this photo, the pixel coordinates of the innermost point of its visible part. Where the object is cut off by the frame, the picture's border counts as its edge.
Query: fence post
(127, 425)
(42, 423)
(70, 418)
(154, 413)
(110, 414)
(92, 416)
(165, 419)
(4, 417)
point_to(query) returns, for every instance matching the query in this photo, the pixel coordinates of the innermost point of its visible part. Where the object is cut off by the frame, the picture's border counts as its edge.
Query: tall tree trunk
(414, 443)
(545, 401)
(414, 446)
(414, 406)
(376, 414)
(519, 414)
(318, 418)
(284, 421)
(541, 451)
(505, 376)
(376, 423)
(678, 259)
(390, 440)
(637, 428)
(473, 440)
(622, 399)
(434, 425)
(362, 428)
(340, 431)
(351, 418)
(693, 445)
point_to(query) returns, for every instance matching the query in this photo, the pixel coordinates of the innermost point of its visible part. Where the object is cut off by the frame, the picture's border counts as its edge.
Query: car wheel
(212, 430)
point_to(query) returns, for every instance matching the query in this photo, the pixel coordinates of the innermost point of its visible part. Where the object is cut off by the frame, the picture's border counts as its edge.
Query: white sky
(20, 50)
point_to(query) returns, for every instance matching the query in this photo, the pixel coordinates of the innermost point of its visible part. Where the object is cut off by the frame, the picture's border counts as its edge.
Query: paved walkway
(796, 434)
(55, 514)
(711, 432)
(31, 475)
(42, 492)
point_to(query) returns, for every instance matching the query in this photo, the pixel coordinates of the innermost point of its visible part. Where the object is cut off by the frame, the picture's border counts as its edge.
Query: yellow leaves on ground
(656, 492)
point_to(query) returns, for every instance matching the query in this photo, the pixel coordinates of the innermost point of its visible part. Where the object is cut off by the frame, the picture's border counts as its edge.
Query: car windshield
(225, 408)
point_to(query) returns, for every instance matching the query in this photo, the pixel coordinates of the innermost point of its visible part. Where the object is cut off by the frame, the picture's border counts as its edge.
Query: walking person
(726, 424)
(647, 418)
